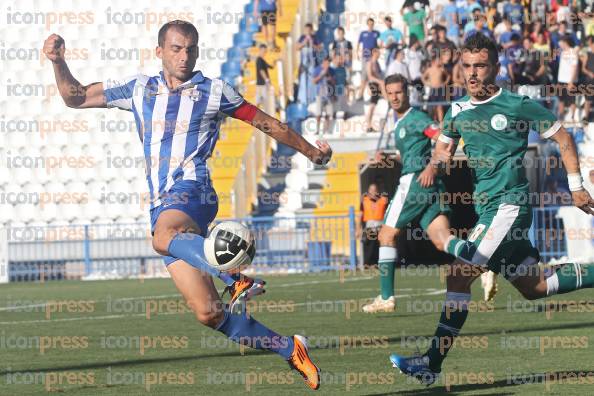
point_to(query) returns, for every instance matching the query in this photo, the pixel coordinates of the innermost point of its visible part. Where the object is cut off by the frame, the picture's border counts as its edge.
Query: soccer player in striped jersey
(178, 115)
(494, 124)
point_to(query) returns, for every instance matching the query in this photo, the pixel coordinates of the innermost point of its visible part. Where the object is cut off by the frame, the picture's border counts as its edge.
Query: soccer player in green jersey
(494, 124)
(417, 197)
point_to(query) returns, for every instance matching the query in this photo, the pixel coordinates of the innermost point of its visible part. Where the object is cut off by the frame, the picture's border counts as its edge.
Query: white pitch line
(431, 292)
(102, 300)
(20, 307)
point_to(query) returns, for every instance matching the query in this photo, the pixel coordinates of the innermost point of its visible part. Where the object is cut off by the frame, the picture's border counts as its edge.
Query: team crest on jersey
(194, 94)
(498, 122)
(402, 133)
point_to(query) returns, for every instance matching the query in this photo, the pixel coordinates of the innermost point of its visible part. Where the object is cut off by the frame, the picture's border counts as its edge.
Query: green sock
(569, 277)
(451, 321)
(386, 265)
(461, 248)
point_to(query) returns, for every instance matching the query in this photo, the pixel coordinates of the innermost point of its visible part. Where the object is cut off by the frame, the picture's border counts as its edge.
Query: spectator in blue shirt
(307, 45)
(368, 41)
(473, 5)
(561, 32)
(515, 13)
(503, 78)
(390, 39)
(450, 15)
(323, 78)
(479, 26)
(340, 74)
(470, 24)
(514, 53)
(506, 37)
(463, 17)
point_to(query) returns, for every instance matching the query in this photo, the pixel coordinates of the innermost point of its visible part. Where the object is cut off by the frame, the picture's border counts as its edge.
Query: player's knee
(439, 245)
(161, 243)
(161, 239)
(211, 318)
(387, 236)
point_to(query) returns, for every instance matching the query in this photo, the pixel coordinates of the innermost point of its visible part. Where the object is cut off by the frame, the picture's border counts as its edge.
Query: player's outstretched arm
(75, 94)
(581, 197)
(283, 134)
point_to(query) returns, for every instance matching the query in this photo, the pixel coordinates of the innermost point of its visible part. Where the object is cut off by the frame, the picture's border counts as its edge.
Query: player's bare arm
(285, 135)
(581, 197)
(427, 177)
(443, 153)
(75, 94)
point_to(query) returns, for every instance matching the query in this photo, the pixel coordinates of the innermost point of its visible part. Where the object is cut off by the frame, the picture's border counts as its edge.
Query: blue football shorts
(197, 199)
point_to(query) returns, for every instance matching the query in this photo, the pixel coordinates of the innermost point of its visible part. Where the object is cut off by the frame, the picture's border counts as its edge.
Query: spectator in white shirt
(397, 66)
(567, 75)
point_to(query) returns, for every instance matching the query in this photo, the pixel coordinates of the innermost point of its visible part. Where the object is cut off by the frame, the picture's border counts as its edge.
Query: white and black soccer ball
(230, 246)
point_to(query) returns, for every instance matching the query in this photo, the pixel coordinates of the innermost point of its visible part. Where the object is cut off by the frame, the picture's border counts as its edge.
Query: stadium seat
(49, 212)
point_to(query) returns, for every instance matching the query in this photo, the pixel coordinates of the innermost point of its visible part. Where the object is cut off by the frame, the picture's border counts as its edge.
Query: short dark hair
(395, 79)
(388, 18)
(309, 25)
(340, 28)
(478, 42)
(263, 46)
(568, 39)
(181, 26)
(370, 19)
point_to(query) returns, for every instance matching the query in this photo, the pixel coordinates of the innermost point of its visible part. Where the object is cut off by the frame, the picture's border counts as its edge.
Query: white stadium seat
(90, 142)
(49, 212)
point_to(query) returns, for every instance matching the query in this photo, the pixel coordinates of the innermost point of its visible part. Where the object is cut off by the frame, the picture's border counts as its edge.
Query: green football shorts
(502, 239)
(411, 202)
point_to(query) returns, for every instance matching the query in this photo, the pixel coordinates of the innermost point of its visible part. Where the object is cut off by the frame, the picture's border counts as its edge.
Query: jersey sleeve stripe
(552, 130)
(119, 93)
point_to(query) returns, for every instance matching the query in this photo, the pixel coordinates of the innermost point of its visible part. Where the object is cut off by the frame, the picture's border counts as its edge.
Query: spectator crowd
(546, 52)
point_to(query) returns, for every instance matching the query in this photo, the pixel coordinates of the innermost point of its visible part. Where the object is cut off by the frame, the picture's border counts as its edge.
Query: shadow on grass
(518, 380)
(391, 340)
(133, 362)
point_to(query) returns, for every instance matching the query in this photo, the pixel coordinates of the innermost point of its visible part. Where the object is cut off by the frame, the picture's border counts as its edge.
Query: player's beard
(482, 88)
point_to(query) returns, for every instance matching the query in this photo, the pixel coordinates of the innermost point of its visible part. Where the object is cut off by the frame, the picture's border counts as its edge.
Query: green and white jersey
(413, 144)
(495, 134)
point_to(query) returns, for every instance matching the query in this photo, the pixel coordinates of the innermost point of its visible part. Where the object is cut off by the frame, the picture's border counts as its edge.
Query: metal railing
(96, 252)
(548, 233)
(283, 244)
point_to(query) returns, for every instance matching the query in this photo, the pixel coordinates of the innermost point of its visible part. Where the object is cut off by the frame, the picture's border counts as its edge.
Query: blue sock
(247, 331)
(190, 248)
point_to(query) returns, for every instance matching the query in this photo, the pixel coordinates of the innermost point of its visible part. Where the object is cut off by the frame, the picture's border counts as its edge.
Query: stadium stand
(104, 189)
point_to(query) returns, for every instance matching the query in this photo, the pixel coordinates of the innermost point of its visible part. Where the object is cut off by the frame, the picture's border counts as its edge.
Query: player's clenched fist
(54, 48)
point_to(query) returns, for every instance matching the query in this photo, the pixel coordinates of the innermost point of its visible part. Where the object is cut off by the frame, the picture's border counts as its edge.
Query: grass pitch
(136, 337)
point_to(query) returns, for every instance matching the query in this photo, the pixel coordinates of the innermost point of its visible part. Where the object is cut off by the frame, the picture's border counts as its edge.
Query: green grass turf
(208, 365)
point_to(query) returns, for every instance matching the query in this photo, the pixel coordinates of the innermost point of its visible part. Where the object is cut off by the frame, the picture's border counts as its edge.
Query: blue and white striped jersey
(178, 128)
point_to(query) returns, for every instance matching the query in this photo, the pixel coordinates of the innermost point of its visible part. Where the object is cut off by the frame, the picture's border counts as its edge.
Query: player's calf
(561, 279)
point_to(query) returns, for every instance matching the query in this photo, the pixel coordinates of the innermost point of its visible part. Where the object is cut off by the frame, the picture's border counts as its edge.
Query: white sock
(552, 284)
(387, 253)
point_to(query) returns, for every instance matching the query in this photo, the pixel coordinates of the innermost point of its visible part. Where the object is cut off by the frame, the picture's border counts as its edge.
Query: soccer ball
(230, 246)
